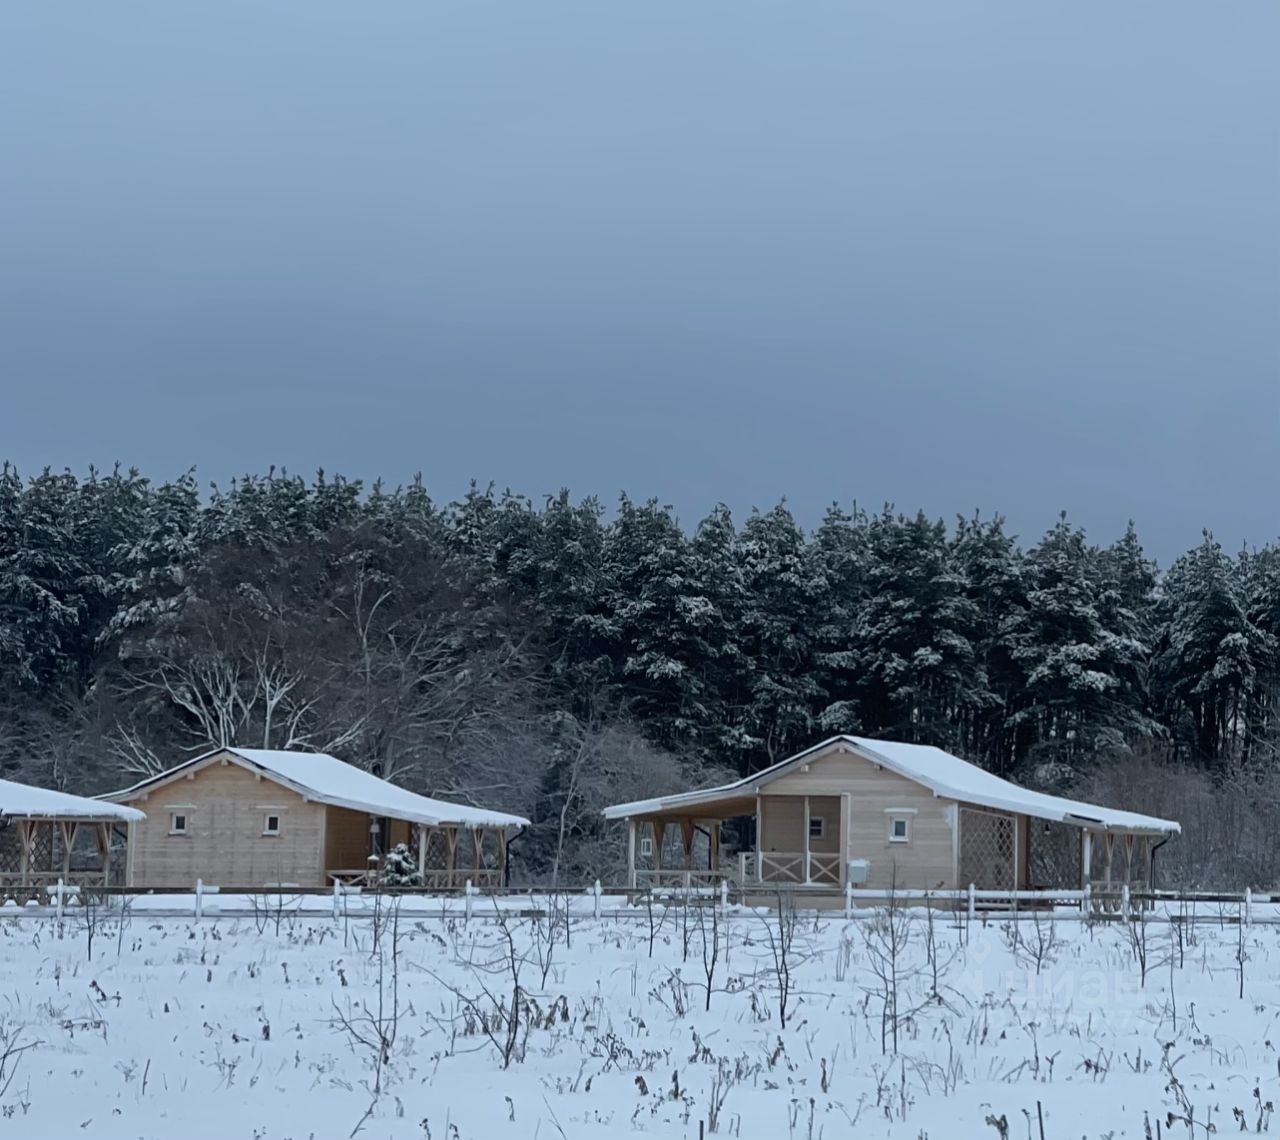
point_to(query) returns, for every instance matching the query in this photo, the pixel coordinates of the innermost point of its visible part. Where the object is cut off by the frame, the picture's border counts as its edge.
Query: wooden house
(880, 814)
(246, 817)
(47, 835)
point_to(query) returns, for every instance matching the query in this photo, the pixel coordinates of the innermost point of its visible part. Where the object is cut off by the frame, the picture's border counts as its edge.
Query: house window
(899, 829)
(177, 823)
(271, 825)
(646, 847)
(817, 827)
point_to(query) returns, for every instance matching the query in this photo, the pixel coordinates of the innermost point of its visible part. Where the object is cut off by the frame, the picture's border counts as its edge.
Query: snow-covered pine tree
(1207, 654)
(994, 571)
(914, 634)
(656, 624)
(838, 561)
(1081, 667)
(785, 696)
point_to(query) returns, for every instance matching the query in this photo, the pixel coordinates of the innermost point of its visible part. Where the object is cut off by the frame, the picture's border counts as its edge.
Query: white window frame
(821, 821)
(646, 846)
(176, 814)
(267, 817)
(896, 816)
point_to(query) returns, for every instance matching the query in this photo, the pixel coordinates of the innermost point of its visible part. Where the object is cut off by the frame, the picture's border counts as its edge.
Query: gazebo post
(477, 842)
(503, 854)
(713, 843)
(659, 834)
(451, 842)
(103, 834)
(69, 829)
(686, 837)
(422, 853)
(1086, 857)
(631, 854)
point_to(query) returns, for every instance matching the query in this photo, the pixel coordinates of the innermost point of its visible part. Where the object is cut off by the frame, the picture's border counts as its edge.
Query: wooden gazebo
(47, 835)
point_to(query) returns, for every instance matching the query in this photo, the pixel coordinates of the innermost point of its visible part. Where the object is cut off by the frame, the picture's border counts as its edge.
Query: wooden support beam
(713, 855)
(759, 841)
(686, 837)
(631, 854)
(659, 828)
(806, 839)
(102, 833)
(69, 829)
(422, 852)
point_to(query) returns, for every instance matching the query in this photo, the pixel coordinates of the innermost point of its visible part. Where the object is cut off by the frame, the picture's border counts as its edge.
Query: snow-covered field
(293, 1025)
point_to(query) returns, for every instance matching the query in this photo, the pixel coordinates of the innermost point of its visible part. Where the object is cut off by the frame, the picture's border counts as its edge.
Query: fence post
(337, 894)
(724, 893)
(466, 895)
(1124, 902)
(1248, 906)
(973, 903)
(597, 890)
(848, 900)
(199, 898)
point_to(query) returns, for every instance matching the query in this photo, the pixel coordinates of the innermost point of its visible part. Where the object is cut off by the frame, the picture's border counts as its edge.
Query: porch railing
(789, 867)
(433, 879)
(679, 878)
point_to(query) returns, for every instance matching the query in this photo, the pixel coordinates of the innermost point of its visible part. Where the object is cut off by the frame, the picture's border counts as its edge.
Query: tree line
(549, 656)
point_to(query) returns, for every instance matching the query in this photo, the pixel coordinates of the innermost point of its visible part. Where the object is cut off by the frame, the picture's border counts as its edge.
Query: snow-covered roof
(943, 774)
(328, 780)
(22, 801)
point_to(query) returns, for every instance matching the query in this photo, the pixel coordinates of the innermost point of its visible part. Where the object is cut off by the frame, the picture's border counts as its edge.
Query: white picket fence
(354, 902)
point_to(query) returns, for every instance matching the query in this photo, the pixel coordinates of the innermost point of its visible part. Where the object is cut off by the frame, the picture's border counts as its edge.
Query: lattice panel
(10, 848)
(1055, 855)
(46, 852)
(987, 844)
(437, 848)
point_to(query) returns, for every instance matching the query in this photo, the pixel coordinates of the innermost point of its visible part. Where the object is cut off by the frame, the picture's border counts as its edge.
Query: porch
(364, 850)
(798, 842)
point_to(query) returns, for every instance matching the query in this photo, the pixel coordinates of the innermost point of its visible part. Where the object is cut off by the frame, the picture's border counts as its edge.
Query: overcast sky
(1009, 255)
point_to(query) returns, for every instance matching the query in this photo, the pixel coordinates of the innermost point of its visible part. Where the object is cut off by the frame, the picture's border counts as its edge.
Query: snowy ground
(282, 1025)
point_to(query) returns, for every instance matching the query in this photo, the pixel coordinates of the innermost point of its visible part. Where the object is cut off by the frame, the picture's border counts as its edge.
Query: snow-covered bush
(400, 868)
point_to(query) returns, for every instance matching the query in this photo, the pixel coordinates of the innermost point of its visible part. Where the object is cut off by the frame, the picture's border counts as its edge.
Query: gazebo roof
(22, 801)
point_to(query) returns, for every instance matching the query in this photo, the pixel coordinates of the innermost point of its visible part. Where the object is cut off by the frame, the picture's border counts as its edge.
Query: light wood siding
(828, 807)
(782, 825)
(925, 862)
(225, 806)
(346, 840)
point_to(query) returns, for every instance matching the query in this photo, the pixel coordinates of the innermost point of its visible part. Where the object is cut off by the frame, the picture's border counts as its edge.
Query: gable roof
(22, 801)
(945, 775)
(328, 780)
